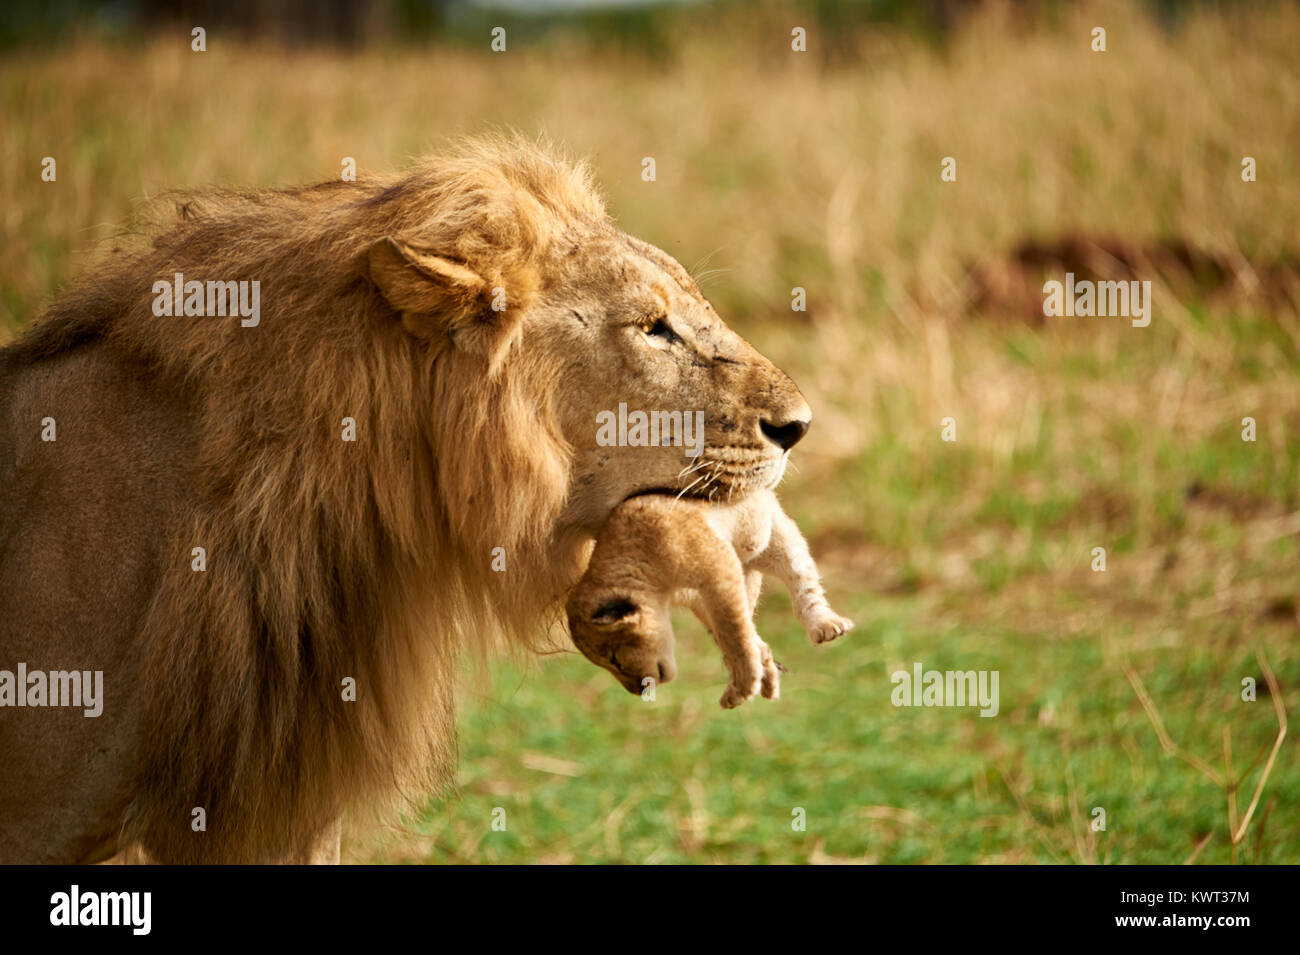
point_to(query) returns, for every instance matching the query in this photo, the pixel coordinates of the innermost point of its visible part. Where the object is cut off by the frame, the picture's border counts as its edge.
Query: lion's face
(650, 390)
(645, 359)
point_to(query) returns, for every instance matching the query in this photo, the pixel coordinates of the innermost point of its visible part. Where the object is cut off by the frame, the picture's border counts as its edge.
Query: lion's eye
(662, 330)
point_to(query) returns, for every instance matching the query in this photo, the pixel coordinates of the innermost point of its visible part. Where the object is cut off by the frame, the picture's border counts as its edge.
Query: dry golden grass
(770, 169)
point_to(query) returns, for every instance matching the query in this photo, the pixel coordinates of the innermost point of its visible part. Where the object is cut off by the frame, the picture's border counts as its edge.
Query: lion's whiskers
(688, 487)
(691, 468)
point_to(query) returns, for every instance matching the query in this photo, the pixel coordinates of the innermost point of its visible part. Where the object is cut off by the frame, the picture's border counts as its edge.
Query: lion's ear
(431, 291)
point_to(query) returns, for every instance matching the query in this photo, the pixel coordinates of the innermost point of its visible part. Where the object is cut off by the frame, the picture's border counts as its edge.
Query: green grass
(680, 780)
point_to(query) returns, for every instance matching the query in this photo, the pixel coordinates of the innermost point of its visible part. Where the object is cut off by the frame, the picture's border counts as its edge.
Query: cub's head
(630, 637)
(599, 345)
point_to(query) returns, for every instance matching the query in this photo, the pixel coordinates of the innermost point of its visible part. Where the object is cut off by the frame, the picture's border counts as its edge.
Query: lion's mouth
(714, 478)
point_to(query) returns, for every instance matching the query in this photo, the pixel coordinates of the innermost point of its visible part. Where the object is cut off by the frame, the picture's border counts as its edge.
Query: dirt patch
(1011, 285)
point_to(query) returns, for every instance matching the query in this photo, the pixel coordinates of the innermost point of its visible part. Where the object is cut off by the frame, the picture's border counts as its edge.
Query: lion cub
(656, 551)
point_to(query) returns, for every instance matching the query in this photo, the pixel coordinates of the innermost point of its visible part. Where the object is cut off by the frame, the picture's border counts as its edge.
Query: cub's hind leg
(710, 566)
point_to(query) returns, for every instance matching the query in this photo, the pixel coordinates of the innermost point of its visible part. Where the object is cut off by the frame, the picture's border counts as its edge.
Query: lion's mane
(329, 559)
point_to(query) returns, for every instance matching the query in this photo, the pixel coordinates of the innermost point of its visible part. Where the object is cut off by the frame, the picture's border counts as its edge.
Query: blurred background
(1121, 689)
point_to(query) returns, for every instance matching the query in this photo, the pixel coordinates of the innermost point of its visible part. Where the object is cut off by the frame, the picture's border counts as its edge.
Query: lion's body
(128, 438)
(327, 560)
(656, 551)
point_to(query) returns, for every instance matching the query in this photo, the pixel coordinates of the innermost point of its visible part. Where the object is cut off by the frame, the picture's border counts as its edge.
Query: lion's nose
(785, 436)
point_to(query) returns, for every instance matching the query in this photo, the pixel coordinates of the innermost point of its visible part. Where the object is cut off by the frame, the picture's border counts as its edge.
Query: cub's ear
(433, 293)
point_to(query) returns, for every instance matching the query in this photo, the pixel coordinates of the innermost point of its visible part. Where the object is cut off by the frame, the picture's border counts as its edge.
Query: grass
(1071, 435)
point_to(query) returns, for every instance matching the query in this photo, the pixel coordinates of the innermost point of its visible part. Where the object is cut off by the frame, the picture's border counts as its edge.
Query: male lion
(277, 540)
(657, 550)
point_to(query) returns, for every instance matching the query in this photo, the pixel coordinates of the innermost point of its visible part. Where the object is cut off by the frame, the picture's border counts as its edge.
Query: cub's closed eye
(662, 330)
(612, 610)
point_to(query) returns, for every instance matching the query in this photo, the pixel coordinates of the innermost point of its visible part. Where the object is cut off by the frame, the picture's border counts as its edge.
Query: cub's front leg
(787, 557)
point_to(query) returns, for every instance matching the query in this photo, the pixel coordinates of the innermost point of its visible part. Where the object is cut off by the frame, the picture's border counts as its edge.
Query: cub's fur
(656, 551)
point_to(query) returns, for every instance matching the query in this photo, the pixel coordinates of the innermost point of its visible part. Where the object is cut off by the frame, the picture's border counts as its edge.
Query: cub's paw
(828, 626)
(756, 672)
(737, 693)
